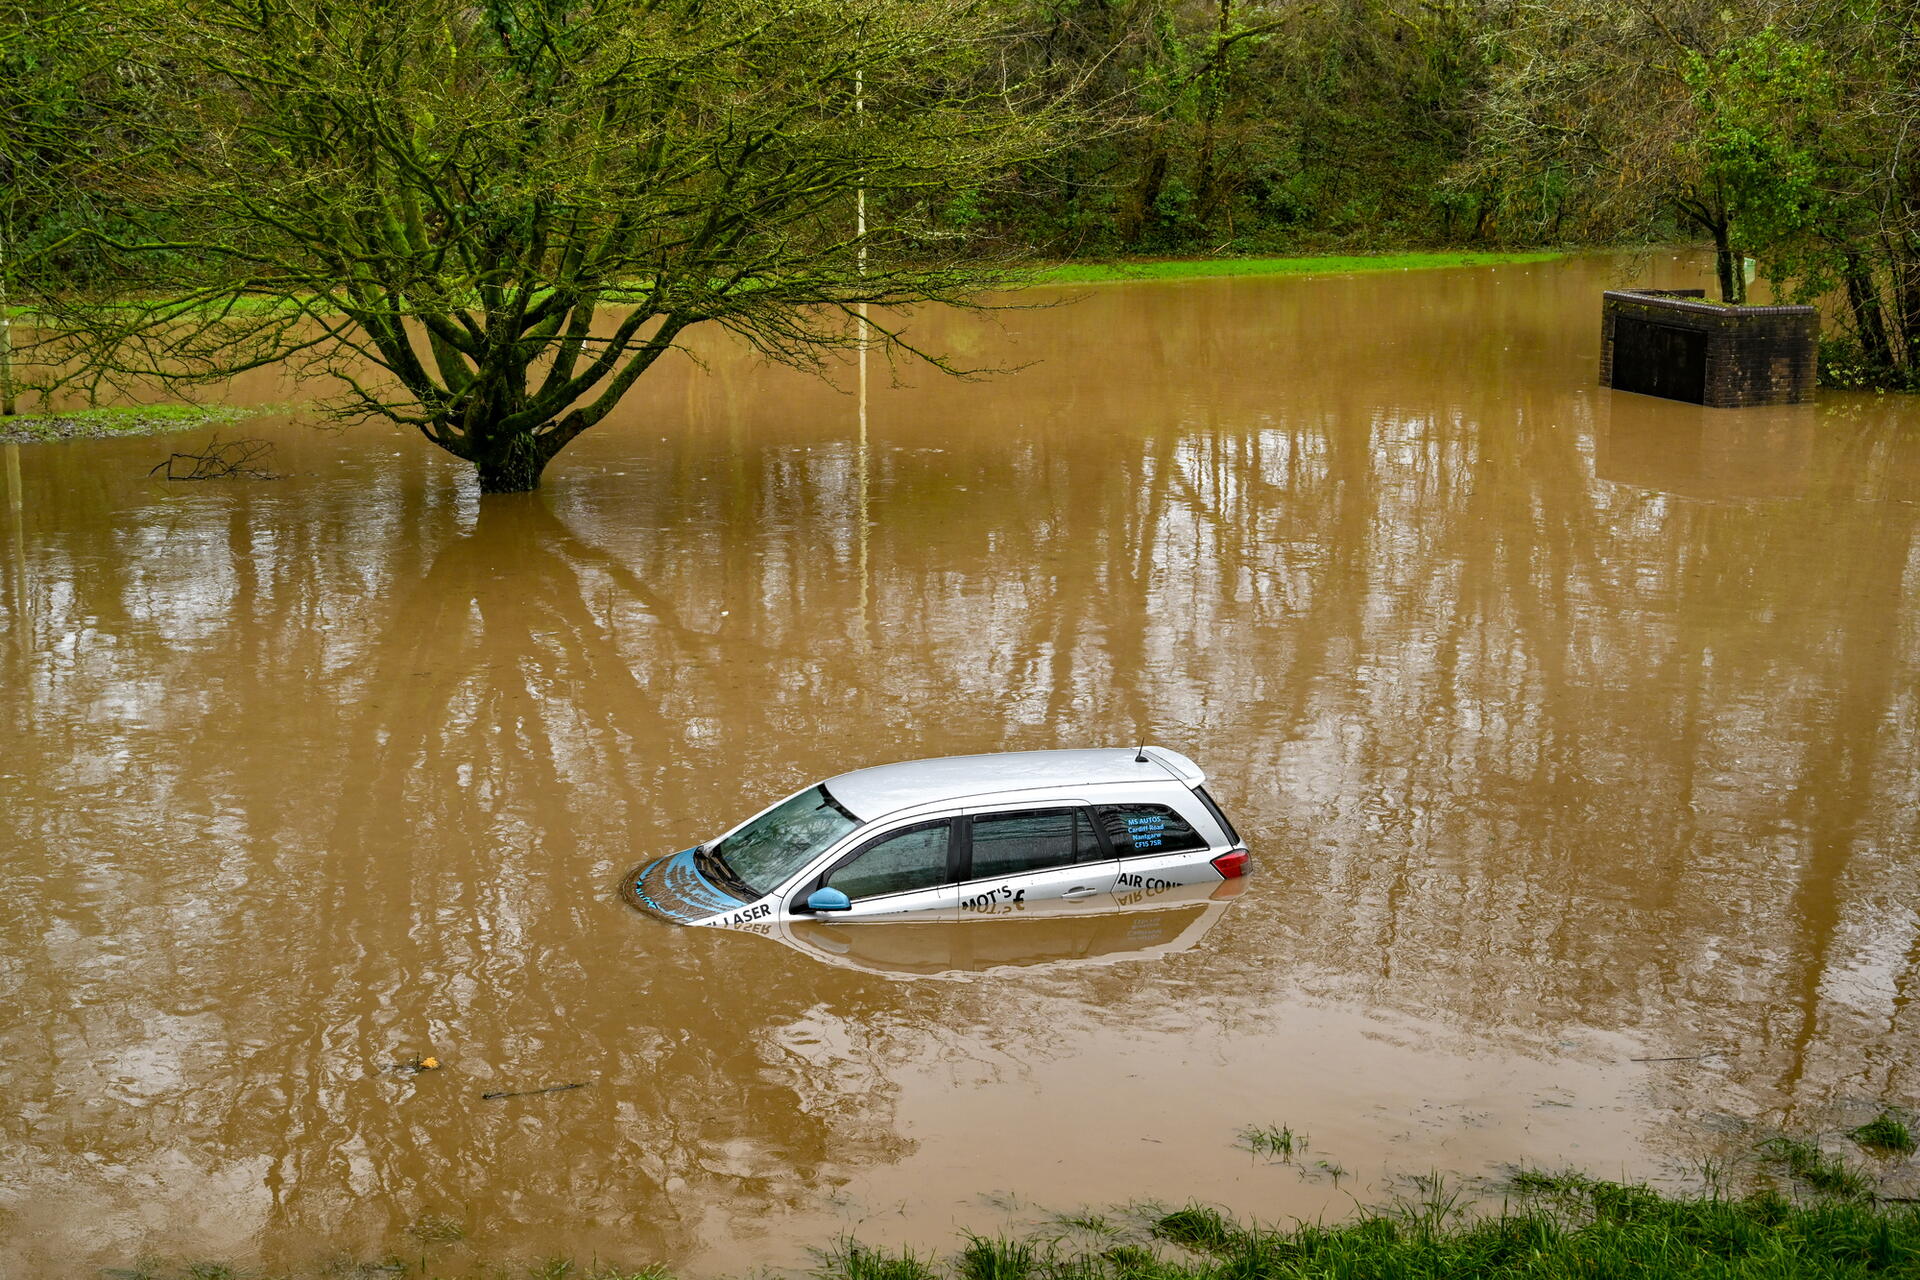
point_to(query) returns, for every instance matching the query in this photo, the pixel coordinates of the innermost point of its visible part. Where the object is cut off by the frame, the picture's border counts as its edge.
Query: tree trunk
(1480, 216)
(514, 467)
(1909, 273)
(1864, 297)
(6, 341)
(1729, 266)
(7, 406)
(1213, 93)
(1144, 216)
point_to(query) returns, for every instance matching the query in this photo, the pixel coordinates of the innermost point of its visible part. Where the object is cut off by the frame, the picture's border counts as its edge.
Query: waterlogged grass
(1276, 1142)
(1340, 264)
(1561, 1227)
(1886, 1134)
(1826, 1174)
(1534, 1225)
(116, 420)
(1550, 1227)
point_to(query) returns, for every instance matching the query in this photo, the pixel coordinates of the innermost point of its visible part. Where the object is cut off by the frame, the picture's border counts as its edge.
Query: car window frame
(811, 884)
(1083, 808)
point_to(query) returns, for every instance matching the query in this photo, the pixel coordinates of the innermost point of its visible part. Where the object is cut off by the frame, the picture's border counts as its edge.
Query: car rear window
(1136, 829)
(1006, 844)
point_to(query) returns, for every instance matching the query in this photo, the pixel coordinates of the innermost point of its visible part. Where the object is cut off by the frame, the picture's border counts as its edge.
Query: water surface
(1568, 728)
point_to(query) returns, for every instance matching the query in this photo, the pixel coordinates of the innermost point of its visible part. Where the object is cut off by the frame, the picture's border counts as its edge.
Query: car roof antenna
(1140, 756)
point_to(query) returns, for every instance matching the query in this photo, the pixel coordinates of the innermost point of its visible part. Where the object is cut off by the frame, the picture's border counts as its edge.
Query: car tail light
(1231, 864)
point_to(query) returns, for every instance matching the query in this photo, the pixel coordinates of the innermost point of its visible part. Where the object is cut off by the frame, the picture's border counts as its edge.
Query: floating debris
(220, 460)
(528, 1093)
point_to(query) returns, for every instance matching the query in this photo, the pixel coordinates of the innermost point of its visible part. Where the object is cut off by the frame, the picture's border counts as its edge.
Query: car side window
(1006, 844)
(915, 858)
(1136, 829)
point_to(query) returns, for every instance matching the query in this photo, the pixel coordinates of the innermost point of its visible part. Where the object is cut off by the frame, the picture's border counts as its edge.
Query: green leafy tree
(1590, 128)
(1811, 131)
(486, 219)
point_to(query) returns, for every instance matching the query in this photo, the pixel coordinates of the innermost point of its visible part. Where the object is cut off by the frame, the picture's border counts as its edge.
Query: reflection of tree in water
(1525, 746)
(1570, 754)
(439, 788)
(499, 714)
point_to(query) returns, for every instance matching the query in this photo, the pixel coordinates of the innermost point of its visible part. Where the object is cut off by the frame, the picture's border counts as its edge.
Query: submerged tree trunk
(1909, 273)
(1730, 266)
(1864, 297)
(1708, 211)
(515, 466)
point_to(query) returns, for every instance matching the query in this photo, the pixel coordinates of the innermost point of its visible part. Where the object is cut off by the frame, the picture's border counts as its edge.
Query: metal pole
(860, 234)
(6, 332)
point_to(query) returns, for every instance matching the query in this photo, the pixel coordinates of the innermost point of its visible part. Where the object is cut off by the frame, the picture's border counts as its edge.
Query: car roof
(889, 788)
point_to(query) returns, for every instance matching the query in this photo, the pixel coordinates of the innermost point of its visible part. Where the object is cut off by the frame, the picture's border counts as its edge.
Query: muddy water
(1568, 729)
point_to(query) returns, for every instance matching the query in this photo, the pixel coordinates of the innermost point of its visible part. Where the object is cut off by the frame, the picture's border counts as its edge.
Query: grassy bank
(119, 420)
(1545, 1227)
(1202, 268)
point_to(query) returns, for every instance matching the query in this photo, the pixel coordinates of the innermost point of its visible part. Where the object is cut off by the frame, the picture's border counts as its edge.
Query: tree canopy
(510, 209)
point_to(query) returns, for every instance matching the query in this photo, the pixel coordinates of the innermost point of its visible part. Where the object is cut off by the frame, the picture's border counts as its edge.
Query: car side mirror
(828, 900)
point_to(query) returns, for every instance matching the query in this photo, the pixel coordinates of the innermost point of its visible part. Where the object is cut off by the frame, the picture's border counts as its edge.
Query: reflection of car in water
(972, 832)
(1105, 930)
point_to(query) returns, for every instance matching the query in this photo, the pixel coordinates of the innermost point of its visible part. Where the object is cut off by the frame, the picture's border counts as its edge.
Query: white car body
(1131, 926)
(955, 833)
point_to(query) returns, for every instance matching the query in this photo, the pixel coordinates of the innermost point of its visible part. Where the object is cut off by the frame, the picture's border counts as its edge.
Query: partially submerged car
(975, 833)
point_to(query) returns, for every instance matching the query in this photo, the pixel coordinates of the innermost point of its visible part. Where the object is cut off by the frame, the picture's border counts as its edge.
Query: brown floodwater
(1568, 728)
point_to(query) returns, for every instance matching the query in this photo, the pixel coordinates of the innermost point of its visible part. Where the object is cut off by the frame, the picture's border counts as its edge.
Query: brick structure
(1674, 343)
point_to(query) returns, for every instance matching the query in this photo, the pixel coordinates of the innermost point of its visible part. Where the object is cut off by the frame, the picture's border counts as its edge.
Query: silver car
(1108, 929)
(980, 834)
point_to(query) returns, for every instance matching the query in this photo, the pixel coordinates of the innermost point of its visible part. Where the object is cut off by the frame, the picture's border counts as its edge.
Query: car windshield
(783, 839)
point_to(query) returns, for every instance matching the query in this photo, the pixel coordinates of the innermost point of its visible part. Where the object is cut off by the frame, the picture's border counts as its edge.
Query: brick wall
(1754, 355)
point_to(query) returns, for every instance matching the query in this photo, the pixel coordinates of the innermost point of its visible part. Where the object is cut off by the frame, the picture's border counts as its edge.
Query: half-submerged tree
(1589, 124)
(64, 114)
(1812, 129)
(488, 218)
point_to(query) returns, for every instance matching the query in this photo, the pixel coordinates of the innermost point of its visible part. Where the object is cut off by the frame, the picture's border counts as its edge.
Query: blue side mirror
(828, 900)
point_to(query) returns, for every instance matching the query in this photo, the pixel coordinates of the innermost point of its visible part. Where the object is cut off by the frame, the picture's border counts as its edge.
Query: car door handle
(1078, 892)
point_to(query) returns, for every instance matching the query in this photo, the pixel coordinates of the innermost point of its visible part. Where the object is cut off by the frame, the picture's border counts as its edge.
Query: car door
(1031, 853)
(909, 868)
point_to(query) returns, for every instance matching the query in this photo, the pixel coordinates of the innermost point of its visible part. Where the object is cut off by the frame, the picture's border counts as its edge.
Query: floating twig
(528, 1093)
(1689, 1057)
(221, 460)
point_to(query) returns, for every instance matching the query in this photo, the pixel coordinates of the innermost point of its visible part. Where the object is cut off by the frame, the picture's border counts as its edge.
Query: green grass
(1885, 1134)
(1343, 264)
(117, 420)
